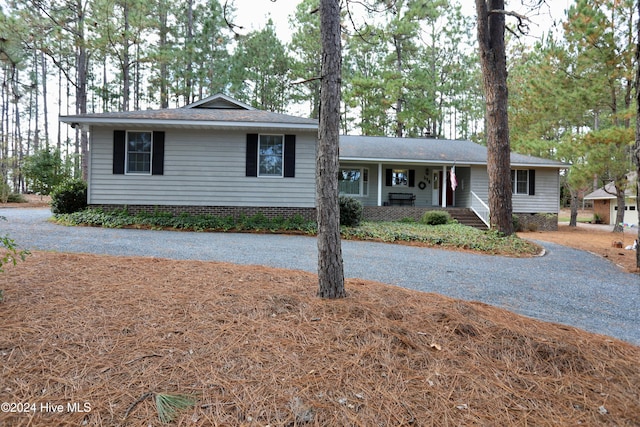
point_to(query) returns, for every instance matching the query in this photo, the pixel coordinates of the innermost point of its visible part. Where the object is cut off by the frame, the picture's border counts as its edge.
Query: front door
(449, 191)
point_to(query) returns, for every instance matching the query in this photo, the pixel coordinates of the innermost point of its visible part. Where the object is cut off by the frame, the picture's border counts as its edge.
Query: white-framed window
(139, 152)
(400, 178)
(271, 155)
(353, 181)
(520, 181)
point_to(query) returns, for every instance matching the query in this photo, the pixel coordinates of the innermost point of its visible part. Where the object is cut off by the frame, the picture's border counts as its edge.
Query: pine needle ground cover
(226, 345)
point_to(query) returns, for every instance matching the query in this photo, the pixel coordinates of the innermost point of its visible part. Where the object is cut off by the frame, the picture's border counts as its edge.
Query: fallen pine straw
(255, 346)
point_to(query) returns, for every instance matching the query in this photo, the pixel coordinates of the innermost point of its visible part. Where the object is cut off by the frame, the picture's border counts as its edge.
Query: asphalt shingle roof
(221, 111)
(423, 150)
(201, 116)
(609, 190)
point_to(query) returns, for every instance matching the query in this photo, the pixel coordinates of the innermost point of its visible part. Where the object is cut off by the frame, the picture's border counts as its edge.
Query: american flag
(452, 178)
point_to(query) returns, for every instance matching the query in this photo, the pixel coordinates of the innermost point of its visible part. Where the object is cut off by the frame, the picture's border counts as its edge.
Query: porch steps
(467, 217)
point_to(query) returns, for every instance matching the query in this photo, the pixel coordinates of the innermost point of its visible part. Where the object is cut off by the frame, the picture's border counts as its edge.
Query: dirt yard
(597, 239)
(32, 201)
(91, 340)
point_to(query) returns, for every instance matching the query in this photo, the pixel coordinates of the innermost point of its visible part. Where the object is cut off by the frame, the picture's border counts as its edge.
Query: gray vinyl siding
(372, 198)
(202, 168)
(479, 182)
(462, 195)
(547, 194)
(547, 190)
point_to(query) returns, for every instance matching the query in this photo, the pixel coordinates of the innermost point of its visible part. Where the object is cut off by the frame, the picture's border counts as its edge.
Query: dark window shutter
(252, 155)
(119, 148)
(289, 156)
(389, 177)
(157, 162)
(412, 178)
(532, 182)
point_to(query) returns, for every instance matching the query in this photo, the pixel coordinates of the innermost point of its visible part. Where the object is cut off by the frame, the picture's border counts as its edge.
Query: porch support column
(379, 184)
(443, 186)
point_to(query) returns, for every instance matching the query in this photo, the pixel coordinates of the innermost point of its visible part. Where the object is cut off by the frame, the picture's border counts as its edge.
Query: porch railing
(480, 208)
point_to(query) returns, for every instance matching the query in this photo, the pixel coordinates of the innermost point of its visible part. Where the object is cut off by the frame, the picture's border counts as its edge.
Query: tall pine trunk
(82, 65)
(636, 153)
(126, 60)
(4, 133)
(34, 109)
(45, 101)
(60, 86)
(162, 46)
(620, 199)
(397, 42)
(82, 70)
(189, 46)
(330, 266)
(493, 61)
(17, 140)
(573, 221)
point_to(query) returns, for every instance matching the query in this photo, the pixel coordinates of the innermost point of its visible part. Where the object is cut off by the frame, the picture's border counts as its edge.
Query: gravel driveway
(565, 286)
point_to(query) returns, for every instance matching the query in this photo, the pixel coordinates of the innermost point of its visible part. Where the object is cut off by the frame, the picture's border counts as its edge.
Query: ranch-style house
(223, 157)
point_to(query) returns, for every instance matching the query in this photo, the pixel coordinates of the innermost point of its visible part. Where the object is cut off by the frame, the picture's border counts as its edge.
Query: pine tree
(636, 150)
(306, 56)
(493, 60)
(260, 73)
(330, 265)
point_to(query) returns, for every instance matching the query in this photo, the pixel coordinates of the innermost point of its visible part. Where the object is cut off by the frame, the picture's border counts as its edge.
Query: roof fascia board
(185, 123)
(443, 162)
(612, 197)
(539, 166)
(409, 161)
(600, 198)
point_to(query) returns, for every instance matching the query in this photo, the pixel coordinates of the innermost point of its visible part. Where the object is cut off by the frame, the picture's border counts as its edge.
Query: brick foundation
(537, 221)
(541, 222)
(308, 214)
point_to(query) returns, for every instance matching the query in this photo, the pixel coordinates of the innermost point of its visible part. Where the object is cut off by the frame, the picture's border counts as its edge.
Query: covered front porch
(398, 176)
(380, 184)
(409, 189)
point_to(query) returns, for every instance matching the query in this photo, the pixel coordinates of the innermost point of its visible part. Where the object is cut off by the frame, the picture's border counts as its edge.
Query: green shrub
(451, 235)
(9, 254)
(350, 211)
(407, 220)
(185, 221)
(597, 219)
(515, 220)
(256, 222)
(69, 197)
(16, 198)
(435, 218)
(5, 190)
